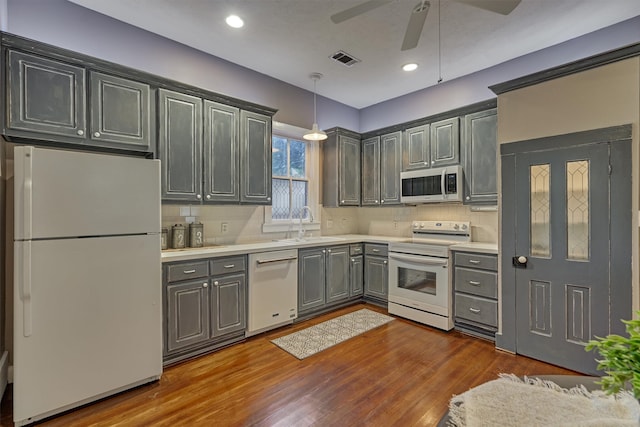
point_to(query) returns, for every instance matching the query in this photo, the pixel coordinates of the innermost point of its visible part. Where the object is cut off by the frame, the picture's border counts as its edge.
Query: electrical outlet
(395, 224)
(224, 227)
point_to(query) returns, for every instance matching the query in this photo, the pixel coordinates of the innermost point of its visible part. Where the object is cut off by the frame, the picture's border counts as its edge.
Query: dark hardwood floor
(401, 373)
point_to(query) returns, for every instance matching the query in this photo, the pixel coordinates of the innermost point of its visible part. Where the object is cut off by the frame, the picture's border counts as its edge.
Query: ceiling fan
(419, 14)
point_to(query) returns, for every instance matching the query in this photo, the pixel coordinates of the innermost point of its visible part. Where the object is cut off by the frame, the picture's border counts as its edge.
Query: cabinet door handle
(188, 271)
(215, 283)
(208, 196)
(198, 196)
(474, 310)
(96, 134)
(205, 285)
(329, 250)
(229, 266)
(474, 261)
(376, 250)
(353, 260)
(384, 262)
(474, 283)
(80, 132)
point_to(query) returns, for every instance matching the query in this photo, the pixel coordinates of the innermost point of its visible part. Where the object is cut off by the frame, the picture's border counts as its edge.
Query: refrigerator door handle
(26, 289)
(27, 188)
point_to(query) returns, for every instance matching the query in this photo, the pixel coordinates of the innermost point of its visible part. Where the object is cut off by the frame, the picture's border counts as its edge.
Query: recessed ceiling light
(410, 66)
(234, 21)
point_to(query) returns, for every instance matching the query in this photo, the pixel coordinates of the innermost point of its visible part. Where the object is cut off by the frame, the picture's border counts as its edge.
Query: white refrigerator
(87, 278)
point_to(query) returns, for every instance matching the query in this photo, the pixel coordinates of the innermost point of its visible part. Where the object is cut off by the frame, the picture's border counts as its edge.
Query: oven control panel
(441, 227)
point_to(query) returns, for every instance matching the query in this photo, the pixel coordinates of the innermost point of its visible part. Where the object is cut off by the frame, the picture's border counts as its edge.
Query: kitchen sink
(318, 239)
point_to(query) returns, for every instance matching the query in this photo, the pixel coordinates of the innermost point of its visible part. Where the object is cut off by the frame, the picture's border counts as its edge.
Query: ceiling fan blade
(354, 11)
(503, 7)
(414, 28)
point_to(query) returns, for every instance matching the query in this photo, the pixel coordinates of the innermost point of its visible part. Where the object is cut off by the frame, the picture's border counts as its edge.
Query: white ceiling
(289, 39)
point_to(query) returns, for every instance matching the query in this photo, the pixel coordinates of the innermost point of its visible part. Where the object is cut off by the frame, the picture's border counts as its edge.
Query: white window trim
(313, 175)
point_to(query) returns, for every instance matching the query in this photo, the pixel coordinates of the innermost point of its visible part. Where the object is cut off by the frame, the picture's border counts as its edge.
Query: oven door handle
(444, 171)
(424, 260)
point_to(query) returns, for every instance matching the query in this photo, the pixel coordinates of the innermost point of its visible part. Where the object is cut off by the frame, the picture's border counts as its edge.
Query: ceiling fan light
(234, 21)
(412, 66)
(315, 134)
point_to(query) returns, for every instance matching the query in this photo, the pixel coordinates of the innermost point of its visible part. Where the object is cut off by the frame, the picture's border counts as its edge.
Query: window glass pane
(298, 198)
(297, 156)
(539, 176)
(279, 156)
(578, 210)
(280, 198)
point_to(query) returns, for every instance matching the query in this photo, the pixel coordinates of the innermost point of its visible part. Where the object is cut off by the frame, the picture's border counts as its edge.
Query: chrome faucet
(300, 229)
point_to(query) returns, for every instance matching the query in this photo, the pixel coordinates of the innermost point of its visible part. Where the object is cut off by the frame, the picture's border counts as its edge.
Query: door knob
(520, 261)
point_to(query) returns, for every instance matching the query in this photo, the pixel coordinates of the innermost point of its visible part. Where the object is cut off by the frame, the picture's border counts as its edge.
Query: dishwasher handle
(267, 261)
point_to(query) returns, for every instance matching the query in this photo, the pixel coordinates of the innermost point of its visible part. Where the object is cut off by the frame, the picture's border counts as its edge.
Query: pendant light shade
(315, 134)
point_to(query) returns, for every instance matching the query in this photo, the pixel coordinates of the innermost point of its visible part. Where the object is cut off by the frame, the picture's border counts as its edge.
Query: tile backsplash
(228, 224)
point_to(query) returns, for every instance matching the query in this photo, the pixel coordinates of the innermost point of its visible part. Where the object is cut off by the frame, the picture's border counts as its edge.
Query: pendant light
(315, 134)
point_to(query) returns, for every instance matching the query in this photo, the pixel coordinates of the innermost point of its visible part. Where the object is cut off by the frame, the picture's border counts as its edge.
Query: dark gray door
(180, 145)
(375, 277)
(390, 166)
(356, 274)
(120, 113)
(187, 314)
(221, 152)
(371, 171)
(562, 234)
(255, 158)
(311, 279)
(445, 142)
(46, 96)
(415, 148)
(349, 167)
(337, 273)
(479, 144)
(228, 304)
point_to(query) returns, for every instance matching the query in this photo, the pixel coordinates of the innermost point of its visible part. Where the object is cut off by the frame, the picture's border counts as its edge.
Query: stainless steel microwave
(432, 185)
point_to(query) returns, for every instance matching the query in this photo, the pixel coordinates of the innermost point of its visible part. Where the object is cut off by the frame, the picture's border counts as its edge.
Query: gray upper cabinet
(46, 98)
(48, 103)
(371, 171)
(180, 145)
(445, 142)
(381, 164)
(221, 156)
(479, 145)
(415, 148)
(390, 166)
(255, 158)
(120, 112)
(341, 169)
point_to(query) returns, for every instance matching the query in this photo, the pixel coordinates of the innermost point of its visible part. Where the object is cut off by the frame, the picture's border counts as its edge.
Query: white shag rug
(511, 401)
(319, 337)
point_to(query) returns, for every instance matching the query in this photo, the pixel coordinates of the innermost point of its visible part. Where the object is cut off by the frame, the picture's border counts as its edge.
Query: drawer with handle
(476, 309)
(227, 265)
(375, 249)
(476, 282)
(486, 262)
(187, 270)
(355, 249)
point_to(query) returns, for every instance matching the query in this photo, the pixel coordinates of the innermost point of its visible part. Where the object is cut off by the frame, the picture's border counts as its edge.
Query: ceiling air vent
(344, 58)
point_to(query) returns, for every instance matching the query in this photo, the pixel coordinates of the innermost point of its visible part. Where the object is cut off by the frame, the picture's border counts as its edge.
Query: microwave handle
(444, 171)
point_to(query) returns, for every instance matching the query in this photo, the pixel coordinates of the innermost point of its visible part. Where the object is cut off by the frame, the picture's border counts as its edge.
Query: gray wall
(73, 27)
(474, 88)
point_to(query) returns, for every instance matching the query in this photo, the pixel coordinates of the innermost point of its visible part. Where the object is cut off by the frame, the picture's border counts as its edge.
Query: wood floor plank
(401, 373)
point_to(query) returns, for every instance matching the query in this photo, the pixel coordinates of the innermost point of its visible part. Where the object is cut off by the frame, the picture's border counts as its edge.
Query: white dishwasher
(273, 290)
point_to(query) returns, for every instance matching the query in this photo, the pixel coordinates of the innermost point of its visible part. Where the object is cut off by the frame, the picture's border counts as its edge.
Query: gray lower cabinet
(48, 99)
(356, 270)
(475, 284)
(323, 277)
(479, 145)
(381, 166)
(212, 152)
(376, 272)
(204, 305)
(445, 142)
(341, 168)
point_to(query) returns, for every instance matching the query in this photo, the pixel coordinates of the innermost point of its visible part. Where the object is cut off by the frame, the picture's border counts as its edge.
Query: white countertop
(171, 255)
(486, 248)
